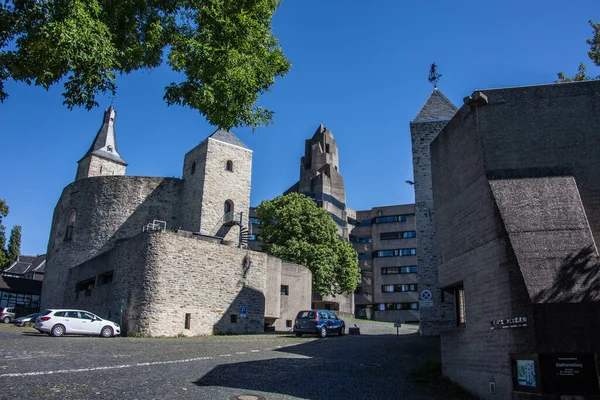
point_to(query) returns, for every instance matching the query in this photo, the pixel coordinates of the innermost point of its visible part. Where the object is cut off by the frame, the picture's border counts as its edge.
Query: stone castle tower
(104, 206)
(103, 158)
(216, 197)
(432, 118)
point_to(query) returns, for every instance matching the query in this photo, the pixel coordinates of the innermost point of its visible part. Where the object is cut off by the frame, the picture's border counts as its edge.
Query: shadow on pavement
(354, 367)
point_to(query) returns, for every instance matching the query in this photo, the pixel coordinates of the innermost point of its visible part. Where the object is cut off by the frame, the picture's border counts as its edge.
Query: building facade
(517, 199)
(167, 256)
(385, 240)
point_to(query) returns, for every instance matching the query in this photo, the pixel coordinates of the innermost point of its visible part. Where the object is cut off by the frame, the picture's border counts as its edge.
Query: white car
(77, 322)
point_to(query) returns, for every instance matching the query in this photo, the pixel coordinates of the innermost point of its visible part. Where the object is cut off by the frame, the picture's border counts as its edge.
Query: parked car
(7, 314)
(21, 321)
(78, 322)
(321, 322)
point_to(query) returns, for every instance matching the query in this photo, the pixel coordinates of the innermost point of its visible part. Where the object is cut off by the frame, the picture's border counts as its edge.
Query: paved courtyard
(374, 365)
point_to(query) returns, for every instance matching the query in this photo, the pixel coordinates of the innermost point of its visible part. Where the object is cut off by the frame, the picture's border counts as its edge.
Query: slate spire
(436, 107)
(105, 143)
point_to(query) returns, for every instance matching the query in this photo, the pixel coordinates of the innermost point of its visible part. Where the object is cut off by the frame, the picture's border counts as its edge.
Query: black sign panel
(569, 373)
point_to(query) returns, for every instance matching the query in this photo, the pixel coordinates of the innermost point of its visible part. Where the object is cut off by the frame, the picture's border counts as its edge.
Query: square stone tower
(436, 311)
(216, 195)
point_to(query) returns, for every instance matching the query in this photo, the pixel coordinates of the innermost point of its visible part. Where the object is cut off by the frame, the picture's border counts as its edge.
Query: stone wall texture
(441, 314)
(98, 166)
(108, 209)
(162, 278)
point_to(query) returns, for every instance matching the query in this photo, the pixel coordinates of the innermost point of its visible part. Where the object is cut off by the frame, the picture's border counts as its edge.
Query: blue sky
(361, 70)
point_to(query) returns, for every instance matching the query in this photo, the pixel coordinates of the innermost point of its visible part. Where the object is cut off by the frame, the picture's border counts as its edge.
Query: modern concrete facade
(385, 240)
(517, 199)
(167, 256)
(437, 311)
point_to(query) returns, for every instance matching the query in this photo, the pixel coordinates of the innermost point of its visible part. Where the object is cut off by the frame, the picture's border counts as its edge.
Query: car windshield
(306, 315)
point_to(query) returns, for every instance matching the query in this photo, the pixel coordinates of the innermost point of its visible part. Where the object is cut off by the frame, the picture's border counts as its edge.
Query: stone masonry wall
(441, 314)
(209, 281)
(194, 168)
(107, 209)
(221, 185)
(99, 166)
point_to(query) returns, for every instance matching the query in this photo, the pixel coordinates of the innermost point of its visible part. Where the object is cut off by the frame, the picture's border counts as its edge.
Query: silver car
(77, 322)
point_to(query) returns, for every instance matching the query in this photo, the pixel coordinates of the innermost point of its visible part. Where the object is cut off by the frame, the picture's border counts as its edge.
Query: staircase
(230, 219)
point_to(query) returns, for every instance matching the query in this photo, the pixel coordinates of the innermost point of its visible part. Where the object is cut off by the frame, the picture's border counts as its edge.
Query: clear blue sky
(359, 69)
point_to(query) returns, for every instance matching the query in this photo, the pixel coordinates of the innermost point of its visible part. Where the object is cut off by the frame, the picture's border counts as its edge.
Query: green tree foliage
(224, 50)
(14, 244)
(3, 253)
(294, 229)
(594, 55)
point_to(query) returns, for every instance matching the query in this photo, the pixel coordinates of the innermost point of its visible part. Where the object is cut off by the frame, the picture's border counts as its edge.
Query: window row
(397, 306)
(391, 218)
(412, 287)
(395, 253)
(356, 239)
(364, 256)
(19, 300)
(397, 235)
(411, 269)
(88, 284)
(228, 166)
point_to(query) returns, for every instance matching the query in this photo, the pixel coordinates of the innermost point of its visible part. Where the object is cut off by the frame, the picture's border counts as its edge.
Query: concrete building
(21, 284)
(384, 237)
(516, 188)
(167, 256)
(385, 240)
(436, 308)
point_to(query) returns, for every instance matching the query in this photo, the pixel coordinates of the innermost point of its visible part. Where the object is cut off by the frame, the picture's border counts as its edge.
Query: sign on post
(426, 299)
(243, 312)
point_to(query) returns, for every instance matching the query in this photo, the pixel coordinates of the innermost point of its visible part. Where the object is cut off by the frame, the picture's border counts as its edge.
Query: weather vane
(434, 77)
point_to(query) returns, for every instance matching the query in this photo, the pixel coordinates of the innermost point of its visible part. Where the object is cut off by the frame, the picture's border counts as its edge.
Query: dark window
(390, 218)
(364, 256)
(254, 220)
(363, 222)
(461, 311)
(228, 206)
(233, 318)
(326, 148)
(285, 290)
(105, 278)
(397, 235)
(397, 306)
(411, 287)
(193, 167)
(70, 225)
(229, 165)
(60, 314)
(252, 237)
(188, 318)
(357, 239)
(86, 286)
(288, 323)
(395, 253)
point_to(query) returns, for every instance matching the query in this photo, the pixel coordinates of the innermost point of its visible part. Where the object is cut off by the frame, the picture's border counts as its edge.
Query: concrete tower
(216, 193)
(103, 158)
(432, 118)
(320, 177)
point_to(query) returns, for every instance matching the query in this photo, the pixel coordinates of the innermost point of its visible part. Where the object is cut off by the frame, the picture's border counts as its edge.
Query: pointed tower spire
(103, 157)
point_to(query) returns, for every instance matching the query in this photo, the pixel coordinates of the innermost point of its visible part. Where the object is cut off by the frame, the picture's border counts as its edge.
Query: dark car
(321, 322)
(21, 321)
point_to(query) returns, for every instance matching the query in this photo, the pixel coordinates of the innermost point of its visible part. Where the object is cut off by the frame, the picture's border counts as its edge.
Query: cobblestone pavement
(373, 365)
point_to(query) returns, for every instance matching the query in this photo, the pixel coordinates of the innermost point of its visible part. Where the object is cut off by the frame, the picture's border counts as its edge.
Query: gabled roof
(436, 107)
(105, 143)
(25, 264)
(227, 137)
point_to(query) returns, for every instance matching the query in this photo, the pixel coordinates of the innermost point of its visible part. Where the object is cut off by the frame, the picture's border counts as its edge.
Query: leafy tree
(223, 49)
(594, 55)
(3, 254)
(294, 229)
(14, 244)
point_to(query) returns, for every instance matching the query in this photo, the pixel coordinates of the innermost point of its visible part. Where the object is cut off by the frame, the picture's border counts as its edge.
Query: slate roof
(25, 264)
(105, 143)
(227, 137)
(436, 107)
(551, 238)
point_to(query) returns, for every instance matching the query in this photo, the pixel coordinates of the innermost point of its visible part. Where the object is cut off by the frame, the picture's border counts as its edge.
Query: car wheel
(323, 332)
(107, 331)
(343, 330)
(298, 334)
(6, 320)
(58, 330)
